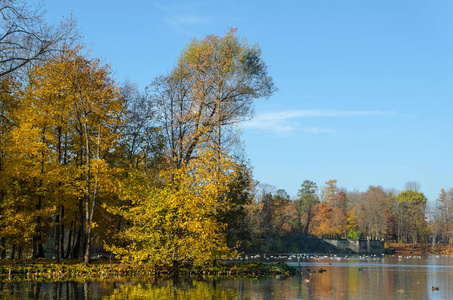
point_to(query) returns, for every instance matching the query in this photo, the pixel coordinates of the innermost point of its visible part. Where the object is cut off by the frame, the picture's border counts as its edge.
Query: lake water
(346, 277)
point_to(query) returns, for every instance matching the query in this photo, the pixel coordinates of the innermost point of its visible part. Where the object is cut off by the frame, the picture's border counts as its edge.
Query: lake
(345, 277)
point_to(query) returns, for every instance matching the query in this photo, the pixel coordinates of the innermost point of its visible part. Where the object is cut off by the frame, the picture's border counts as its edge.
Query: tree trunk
(61, 232)
(81, 230)
(57, 238)
(91, 200)
(40, 248)
(77, 242)
(309, 218)
(38, 238)
(175, 268)
(88, 246)
(434, 243)
(78, 233)
(68, 248)
(34, 249)
(87, 231)
(80, 244)
(3, 246)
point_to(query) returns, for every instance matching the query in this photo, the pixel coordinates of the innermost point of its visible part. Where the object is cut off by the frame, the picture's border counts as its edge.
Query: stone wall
(358, 246)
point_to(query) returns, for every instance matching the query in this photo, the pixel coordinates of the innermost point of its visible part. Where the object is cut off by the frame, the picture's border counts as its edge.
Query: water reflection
(379, 277)
(118, 289)
(389, 277)
(181, 290)
(54, 290)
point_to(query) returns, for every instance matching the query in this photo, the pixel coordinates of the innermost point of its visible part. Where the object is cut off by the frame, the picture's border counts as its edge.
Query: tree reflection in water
(116, 289)
(181, 290)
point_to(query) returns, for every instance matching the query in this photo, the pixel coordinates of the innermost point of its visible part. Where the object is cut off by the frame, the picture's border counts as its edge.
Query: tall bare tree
(25, 37)
(211, 88)
(412, 186)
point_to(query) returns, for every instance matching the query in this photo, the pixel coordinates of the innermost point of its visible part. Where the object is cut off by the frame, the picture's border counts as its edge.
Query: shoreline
(64, 271)
(420, 248)
(46, 269)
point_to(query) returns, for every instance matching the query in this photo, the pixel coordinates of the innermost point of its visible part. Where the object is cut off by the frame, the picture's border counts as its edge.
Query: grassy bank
(48, 270)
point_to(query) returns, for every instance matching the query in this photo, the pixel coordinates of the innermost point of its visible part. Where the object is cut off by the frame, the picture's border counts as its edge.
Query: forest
(160, 176)
(277, 221)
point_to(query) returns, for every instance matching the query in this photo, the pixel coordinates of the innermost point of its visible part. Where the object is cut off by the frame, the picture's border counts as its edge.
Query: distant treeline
(273, 219)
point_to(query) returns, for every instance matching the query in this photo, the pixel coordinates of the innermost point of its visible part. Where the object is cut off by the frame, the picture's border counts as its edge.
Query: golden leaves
(63, 134)
(176, 220)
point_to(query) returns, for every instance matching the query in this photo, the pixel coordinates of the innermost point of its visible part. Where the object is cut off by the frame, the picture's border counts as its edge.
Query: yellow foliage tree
(8, 104)
(175, 222)
(67, 126)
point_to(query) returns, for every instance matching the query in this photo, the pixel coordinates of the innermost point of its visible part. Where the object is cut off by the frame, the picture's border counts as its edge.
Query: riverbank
(68, 270)
(420, 248)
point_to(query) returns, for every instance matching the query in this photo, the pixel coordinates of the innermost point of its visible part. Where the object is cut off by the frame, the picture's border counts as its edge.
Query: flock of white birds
(338, 257)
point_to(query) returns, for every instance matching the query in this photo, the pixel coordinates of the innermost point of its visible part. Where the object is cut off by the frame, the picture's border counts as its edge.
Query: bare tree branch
(25, 37)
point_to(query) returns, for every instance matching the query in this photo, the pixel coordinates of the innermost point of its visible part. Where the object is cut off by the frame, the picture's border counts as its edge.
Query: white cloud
(187, 19)
(184, 18)
(286, 122)
(316, 130)
(321, 113)
(166, 6)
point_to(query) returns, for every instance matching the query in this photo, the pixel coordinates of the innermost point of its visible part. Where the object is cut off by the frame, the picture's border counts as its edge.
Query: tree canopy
(211, 88)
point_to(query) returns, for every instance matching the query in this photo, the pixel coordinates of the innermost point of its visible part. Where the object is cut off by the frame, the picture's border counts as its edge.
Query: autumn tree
(442, 216)
(268, 220)
(331, 214)
(138, 149)
(29, 164)
(390, 224)
(96, 109)
(175, 221)
(211, 88)
(339, 217)
(253, 237)
(26, 40)
(22, 185)
(69, 118)
(240, 195)
(369, 209)
(275, 217)
(330, 192)
(197, 105)
(322, 220)
(8, 120)
(434, 222)
(141, 141)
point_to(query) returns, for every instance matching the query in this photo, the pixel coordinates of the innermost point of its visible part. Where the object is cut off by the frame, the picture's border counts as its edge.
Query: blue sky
(365, 87)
